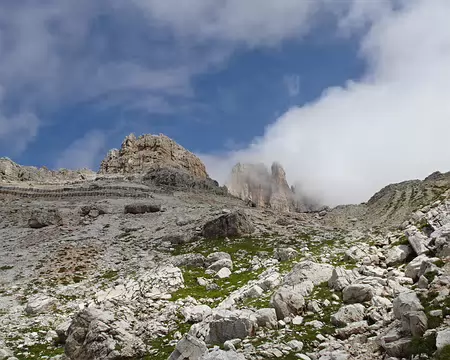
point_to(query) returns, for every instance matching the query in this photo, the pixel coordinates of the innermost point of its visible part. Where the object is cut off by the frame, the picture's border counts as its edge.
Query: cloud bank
(392, 125)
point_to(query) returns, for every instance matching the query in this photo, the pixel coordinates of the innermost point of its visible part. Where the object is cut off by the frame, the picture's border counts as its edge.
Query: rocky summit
(151, 259)
(141, 154)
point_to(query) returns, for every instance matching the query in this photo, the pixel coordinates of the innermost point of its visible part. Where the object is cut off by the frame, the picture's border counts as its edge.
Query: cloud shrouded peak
(391, 125)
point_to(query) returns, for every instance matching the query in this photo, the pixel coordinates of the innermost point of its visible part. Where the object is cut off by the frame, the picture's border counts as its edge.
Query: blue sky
(335, 91)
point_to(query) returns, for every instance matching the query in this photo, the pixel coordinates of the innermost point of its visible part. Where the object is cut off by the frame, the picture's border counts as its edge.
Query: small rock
(223, 273)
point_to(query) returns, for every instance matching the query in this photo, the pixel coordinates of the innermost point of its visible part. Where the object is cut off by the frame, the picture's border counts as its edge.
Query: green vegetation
(430, 302)
(39, 351)
(110, 275)
(423, 345)
(6, 267)
(402, 240)
(162, 344)
(430, 275)
(444, 354)
(224, 287)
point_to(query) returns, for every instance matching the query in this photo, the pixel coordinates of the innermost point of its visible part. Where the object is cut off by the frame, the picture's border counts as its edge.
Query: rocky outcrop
(254, 183)
(139, 155)
(12, 172)
(96, 334)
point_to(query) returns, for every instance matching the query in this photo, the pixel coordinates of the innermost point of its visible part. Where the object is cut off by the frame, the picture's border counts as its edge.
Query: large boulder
(44, 217)
(413, 268)
(141, 208)
(95, 334)
(341, 277)
(398, 254)
(189, 348)
(418, 242)
(414, 323)
(357, 293)
(267, 317)
(287, 302)
(227, 325)
(392, 341)
(308, 271)
(348, 314)
(406, 302)
(236, 223)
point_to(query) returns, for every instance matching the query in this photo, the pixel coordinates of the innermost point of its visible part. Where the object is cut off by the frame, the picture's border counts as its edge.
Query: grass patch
(224, 286)
(402, 240)
(430, 275)
(162, 344)
(423, 345)
(430, 303)
(110, 275)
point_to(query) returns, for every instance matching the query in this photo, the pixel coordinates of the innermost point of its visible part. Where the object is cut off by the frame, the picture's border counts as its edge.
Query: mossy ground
(39, 351)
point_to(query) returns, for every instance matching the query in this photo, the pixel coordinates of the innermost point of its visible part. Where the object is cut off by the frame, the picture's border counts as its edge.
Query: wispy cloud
(84, 152)
(292, 84)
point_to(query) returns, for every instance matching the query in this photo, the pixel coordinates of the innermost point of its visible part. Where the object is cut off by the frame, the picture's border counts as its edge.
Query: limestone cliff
(254, 183)
(139, 155)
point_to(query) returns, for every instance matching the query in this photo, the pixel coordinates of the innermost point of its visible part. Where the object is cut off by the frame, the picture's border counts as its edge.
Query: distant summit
(255, 184)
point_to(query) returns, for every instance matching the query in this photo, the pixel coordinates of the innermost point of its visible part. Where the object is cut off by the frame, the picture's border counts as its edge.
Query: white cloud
(390, 126)
(84, 152)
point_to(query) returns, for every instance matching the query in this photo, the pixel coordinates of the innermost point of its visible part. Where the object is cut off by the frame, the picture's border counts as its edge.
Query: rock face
(254, 183)
(139, 155)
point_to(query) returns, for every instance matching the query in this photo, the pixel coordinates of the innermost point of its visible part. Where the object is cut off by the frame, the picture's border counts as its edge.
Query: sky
(347, 95)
